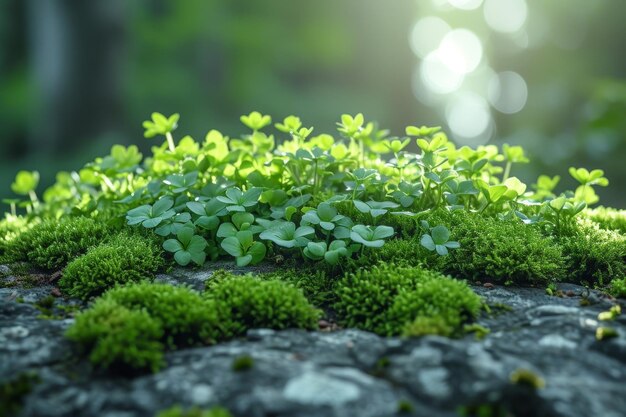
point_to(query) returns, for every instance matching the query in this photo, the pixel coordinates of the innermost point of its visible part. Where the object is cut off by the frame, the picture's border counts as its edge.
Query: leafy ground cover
(360, 225)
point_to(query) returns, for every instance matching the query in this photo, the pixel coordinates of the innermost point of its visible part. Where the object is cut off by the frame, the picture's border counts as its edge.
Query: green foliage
(242, 363)
(316, 284)
(423, 326)
(246, 302)
(52, 243)
(12, 393)
(593, 255)
(387, 299)
(187, 247)
(119, 338)
(178, 411)
(608, 218)
(438, 239)
(186, 318)
(160, 125)
(320, 199)
(618, 287)
(123, 259)
(502, 251)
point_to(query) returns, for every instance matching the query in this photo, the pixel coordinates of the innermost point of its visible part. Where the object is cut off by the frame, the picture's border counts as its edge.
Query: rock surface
(342, 373)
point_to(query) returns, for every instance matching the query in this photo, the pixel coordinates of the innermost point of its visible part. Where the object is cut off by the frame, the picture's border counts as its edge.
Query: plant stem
(33, 198)
(170, 142)
(507, 171)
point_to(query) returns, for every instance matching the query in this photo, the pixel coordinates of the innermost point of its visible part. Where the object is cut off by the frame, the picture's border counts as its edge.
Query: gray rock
(343, 373)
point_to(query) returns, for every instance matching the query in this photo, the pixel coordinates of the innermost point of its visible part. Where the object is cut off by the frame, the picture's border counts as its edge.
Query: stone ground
(345, 372)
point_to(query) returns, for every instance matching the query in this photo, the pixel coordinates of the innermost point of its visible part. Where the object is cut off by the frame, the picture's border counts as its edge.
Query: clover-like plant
(286, 234)
(25, 184)
(172, 225)
(438, 239)
(587, 179)
(187, 247)
(161, 125)
(181, 183)
(332, 253)
(329, 220)
(208, 212)
(374, 208)
(237, 200)
(371, 237)
(256, 121)
(150, 216)
(239, 221)
(243, 247)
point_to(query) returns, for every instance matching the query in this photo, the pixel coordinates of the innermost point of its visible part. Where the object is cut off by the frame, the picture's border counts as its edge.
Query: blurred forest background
(78, 76)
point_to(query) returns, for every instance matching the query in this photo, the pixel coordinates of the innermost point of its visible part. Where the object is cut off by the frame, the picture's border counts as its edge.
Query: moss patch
(125, 258)
(51, 244)
(245, 302)
(387, 299)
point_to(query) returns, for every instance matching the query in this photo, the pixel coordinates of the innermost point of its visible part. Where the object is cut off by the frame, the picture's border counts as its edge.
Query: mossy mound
(594, 256)
(51, 244)
(501, 251)
(245, 302)
(608, 218)
(186, 317)
(388, 298)
(125, 258)
(117, 337)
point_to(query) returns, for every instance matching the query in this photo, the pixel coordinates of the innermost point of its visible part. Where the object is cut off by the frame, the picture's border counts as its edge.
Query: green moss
(423, 326)
(618, 288)
(178, 411)
(502, 251)
(119, 338)
(10, 228)
(527, 378)
(187, 319)
(52, 243)
(407, 252)
(125, 258)
(12, 393)
(594, 256)
(242, 363)
(246, 302)
(316, 285)
(405, 407)
(608, 218)
(387, 298)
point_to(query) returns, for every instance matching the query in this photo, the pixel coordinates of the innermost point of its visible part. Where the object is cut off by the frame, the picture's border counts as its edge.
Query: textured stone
(342, 373)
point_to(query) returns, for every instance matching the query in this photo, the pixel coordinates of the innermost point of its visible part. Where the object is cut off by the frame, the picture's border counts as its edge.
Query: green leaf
(257, 251)
(25, 182)
(232, 246)
(182, 257)
(161, 206)
(184, 235)
(427, 242)
(382, 232)
(440, 235)
(256, 121)
(172, 245)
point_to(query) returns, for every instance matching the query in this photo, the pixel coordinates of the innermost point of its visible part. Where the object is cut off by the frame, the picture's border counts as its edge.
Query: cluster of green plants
(264, 193)
(130, 327)
(412, 301)
(178, 411)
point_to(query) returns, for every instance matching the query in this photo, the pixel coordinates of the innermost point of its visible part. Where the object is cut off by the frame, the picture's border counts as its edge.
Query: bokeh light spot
(469, 119)
(507, 16)
(427, 34)
(507, 92)
(466, 4)
(461, 51)
(437, 76)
